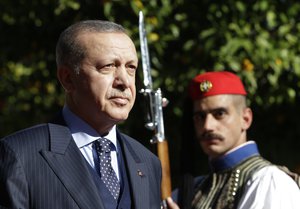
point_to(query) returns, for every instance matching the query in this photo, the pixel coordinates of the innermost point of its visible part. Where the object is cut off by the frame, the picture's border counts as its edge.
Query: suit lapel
(138, 174)
(69, 165)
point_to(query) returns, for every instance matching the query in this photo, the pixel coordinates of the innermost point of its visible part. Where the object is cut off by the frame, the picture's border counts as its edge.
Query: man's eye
(131, 68)
(219, 114)
(105, 68)
(198, 116)
(109, 65)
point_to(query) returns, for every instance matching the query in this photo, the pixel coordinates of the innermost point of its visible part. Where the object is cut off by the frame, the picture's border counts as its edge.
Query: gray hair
(69, 51)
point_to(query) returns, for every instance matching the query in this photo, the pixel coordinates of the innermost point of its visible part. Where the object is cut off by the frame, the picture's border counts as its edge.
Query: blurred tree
(29, 89)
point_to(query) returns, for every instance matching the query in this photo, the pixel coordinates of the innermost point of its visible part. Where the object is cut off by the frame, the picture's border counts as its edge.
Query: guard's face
(104, 91)
(219, 124)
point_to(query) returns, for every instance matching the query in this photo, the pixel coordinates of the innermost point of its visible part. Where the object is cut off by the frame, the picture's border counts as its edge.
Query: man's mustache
(121, 94)
(209, 136)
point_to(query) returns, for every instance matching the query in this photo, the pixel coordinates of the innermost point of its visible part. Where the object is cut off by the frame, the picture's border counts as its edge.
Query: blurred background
(258, 40)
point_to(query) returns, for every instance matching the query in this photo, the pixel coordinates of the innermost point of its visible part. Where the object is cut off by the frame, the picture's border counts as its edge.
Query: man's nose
(209, 123)
(121, 77)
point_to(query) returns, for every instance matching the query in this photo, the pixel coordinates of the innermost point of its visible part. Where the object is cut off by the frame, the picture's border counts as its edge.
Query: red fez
(215, 83)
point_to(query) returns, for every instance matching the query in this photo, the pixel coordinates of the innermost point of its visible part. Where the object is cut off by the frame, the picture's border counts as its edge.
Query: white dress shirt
(84, 136)
(270, 188)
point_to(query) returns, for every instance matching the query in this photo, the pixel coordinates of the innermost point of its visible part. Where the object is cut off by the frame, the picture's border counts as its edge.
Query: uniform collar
(235, 156)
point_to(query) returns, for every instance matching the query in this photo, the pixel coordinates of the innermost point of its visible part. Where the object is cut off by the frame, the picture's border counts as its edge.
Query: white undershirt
(270, 188)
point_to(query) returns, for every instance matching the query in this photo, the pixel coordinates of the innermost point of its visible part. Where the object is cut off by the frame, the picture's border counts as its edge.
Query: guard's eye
(219, 113)
(199, 116)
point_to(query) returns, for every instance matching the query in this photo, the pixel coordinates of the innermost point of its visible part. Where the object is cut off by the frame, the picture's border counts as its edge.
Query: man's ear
(65, 77)
(247, 118)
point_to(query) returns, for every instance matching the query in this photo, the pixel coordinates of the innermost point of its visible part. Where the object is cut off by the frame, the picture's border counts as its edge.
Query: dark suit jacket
(42, 168)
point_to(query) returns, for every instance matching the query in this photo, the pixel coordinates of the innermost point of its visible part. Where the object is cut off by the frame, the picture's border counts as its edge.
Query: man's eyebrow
(219, 109)
(211, 110)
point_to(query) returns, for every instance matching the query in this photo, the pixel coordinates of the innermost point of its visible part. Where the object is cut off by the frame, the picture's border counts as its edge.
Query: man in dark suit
(58, 165)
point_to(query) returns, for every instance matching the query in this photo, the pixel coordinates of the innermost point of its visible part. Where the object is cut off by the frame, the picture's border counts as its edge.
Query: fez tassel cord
(155, 115)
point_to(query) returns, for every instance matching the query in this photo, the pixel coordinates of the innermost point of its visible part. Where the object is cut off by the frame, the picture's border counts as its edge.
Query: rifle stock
(163, 155)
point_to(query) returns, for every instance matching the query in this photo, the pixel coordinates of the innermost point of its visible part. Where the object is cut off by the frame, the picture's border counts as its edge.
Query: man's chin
(119, 117)
(213, 152)
(211, 146)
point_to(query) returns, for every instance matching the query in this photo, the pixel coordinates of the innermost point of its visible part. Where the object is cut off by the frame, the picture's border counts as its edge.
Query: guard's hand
(172, 204)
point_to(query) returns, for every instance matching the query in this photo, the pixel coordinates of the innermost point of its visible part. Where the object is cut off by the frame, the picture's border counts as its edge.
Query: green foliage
(29, 89)
(259, 41)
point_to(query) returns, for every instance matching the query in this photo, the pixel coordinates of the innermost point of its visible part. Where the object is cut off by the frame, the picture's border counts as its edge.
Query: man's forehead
(213, 102)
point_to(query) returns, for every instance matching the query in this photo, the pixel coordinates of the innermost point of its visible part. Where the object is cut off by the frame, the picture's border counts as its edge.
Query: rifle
(155, 120)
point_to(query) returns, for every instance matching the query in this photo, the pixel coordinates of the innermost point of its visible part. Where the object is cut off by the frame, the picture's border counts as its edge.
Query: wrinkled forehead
(106, 38)
(107, 43)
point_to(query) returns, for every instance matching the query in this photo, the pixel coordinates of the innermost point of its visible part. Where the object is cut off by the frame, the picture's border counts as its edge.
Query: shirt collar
(235, 156)
(82, 132)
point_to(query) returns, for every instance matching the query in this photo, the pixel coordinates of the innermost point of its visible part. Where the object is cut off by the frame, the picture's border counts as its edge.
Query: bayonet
(155, 120)
(145, 53)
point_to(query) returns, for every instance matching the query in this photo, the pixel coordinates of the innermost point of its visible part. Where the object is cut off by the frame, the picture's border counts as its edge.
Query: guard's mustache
(208, 136)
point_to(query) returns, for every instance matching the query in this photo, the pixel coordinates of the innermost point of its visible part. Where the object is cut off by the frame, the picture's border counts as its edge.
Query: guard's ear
(65, 77)
(247, 117)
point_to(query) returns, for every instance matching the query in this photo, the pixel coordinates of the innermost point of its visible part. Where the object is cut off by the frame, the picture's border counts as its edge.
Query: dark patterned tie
(107, 173)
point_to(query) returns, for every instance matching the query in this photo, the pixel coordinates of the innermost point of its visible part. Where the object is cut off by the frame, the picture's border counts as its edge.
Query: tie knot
(103, 145)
